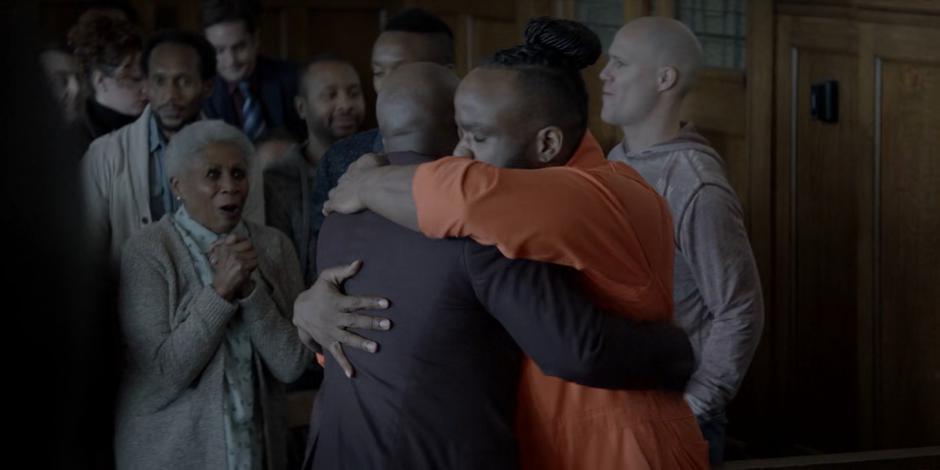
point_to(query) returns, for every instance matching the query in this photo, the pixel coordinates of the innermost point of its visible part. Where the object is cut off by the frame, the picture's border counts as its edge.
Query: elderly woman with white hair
(205, 310)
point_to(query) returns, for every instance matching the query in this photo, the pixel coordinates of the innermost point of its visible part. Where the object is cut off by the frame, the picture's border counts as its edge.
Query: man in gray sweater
(653, 64)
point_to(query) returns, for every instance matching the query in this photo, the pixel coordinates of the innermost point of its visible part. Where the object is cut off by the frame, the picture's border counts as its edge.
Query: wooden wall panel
(858, 259)
(815, 320)
(907, 252)
(909, 363)
(488, 35)
(717, 108)
(275, 31)
(824, 361)
(754, 406)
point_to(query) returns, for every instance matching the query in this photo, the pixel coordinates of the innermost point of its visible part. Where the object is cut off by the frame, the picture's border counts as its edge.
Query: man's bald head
(668, 43)
(415, 109)
(651, 58)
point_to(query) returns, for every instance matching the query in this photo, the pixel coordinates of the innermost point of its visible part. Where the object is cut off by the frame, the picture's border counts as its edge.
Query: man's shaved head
(415, 109)
(668, 43)
(650, 58)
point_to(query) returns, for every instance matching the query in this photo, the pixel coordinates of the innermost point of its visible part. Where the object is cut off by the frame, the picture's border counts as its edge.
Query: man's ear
(301, 107)
(175, 187)
(667, 78)
(548, 144)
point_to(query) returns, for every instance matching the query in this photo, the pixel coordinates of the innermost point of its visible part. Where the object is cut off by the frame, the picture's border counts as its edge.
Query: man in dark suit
(251, 92)
(442, 392)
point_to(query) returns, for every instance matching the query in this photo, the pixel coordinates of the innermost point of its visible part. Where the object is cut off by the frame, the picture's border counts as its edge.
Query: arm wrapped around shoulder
(541, 305)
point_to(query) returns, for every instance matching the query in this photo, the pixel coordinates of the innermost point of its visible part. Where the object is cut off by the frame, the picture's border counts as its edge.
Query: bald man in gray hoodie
(653, 63)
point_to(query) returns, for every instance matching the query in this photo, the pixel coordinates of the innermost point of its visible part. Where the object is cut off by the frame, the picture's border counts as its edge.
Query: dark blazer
(278, 82)
(440, 392)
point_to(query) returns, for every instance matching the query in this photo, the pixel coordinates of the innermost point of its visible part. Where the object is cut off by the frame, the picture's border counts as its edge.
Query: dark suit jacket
(440, 392)
(278, 82)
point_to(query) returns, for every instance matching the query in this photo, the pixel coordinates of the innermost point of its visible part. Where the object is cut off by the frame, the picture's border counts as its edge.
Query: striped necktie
(253, 122)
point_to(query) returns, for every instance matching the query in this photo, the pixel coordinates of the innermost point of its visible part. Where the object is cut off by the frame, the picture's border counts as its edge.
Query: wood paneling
(487, 35)
(857, 221)
(823, 365)
(717, 108)
(903, 12)
(907, 254)
(749, 412)
(816, 317)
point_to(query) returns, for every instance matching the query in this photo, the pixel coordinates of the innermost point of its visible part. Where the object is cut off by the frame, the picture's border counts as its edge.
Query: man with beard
(330, 102)
(124, 180)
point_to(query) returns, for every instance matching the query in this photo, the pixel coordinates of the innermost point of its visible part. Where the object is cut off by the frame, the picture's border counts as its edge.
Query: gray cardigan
(287, 198)
(169, 410)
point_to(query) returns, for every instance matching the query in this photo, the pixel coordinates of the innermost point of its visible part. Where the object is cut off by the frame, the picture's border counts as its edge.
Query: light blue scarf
(243, 443)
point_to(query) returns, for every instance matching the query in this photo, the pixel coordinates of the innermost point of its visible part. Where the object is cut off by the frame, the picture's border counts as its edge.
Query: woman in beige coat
(205, 310)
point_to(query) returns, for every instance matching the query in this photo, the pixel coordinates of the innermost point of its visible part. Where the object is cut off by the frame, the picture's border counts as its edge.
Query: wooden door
(901, 64)
(817, 165)
(857, 315)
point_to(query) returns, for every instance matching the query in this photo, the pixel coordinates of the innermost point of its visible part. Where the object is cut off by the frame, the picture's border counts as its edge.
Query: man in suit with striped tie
(251, 92)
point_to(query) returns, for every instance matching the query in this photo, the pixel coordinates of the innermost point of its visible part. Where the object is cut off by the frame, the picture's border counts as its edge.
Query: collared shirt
(238, 97)
(603, 219)
(161, 197)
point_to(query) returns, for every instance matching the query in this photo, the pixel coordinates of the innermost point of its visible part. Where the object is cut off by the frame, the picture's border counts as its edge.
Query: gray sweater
(169, 410)
(716, 286)
(288, 195)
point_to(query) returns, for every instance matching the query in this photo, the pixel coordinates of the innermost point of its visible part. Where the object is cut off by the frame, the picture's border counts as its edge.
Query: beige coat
(116, 188)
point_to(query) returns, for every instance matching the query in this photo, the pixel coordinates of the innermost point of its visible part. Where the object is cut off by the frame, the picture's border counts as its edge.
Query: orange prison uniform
(603, 219)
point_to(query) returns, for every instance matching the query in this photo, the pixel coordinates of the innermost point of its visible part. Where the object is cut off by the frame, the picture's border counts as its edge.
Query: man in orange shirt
(528, 109)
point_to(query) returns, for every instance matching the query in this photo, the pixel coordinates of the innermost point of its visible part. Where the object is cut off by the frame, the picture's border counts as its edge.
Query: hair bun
(568, 43)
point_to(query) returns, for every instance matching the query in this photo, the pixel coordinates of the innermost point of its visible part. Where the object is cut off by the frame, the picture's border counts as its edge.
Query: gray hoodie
(716, 290)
